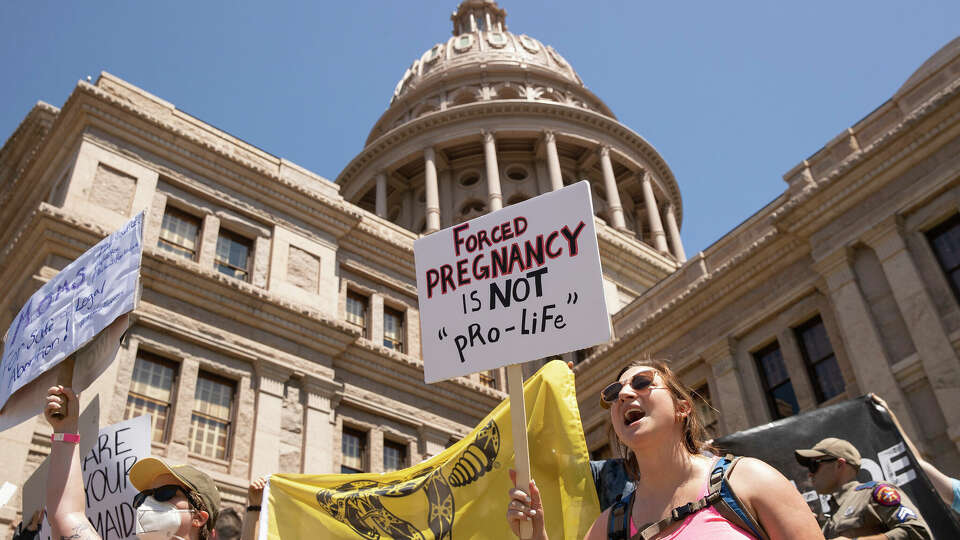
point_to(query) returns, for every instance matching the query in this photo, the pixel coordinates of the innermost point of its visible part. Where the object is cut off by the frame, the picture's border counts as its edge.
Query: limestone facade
(853, 248)
(316, 335)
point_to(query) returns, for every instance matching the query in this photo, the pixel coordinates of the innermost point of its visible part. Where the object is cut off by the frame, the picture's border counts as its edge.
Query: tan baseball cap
(830, 447)
(145, 470)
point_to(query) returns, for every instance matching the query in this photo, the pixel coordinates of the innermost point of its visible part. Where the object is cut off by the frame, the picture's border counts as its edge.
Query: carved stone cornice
(810, 197)
(337, 216)
(322, 394)
(271, 378)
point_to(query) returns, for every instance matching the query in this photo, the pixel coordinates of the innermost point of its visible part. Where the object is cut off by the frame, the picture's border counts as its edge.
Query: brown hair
(695, 438)
(205, 532)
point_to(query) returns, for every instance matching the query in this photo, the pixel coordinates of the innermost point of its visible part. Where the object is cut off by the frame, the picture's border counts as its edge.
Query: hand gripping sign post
(71, 309)
(515, 285)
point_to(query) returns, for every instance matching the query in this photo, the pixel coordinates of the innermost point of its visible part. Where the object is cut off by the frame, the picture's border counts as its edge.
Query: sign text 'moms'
(73, 307)
(519, 284)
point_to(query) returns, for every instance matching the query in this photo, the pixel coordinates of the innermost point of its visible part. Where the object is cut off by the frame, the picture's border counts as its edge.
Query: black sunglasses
(814, 466)
(162, 493)
(639, 382)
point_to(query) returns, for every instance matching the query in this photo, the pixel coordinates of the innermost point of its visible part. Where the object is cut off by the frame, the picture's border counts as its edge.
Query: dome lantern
(478, 16)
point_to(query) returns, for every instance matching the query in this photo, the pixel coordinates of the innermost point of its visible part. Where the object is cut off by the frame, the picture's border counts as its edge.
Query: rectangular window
(151, 392)
(179, 233)
(393, 329)
(488, 378)
(212, 413)
(357, 310)
(945, 241)
(233, 255)
(354, 448)
(776, 382)
(394, 456)
(820, 360)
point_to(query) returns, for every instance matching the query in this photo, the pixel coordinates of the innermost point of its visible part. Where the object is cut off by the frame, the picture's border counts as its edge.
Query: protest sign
(515, 285)
(73, 307)
(106, 470)
(871, 430)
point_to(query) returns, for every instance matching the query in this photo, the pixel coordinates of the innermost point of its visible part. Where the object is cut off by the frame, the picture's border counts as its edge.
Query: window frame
(404, 454)
(173, 210)
(768, 390)
(239, 239)
(398, 344)
(365, 300)
(934, 232)
(231, 421)
(363, 436)
(174, 388)
(810, 364)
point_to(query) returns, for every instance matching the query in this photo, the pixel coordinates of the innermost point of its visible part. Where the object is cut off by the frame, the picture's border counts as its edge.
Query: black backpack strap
(618, 526)
(679, 513)
(726, 501)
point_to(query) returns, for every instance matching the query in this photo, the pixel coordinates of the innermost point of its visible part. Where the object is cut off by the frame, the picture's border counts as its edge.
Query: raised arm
(65, 500)
(251, 518)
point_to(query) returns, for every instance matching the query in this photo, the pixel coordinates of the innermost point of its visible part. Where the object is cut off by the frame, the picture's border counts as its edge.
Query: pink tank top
(707, 523)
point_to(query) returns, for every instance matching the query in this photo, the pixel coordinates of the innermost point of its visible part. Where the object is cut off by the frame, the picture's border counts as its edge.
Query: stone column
(553, 160)
(376, 318)
(653, 214)
(860, 334)
(177, 450)
(319, 424)
(208, 241)
(937, 355)
(728, 390)
(266, 437)
(382, 194)
(432, 191)
(445, 187)
(675, 242)
(494, 195)
(613, 195)
(638, 217)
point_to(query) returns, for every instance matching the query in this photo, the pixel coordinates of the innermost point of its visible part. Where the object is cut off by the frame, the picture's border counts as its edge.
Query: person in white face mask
(175, 501)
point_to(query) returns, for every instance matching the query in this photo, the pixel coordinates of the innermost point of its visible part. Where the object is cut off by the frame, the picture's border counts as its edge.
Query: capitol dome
(488, 118)
(482, 49)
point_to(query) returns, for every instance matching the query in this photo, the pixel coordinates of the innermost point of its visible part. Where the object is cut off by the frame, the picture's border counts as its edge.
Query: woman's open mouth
(633, 415)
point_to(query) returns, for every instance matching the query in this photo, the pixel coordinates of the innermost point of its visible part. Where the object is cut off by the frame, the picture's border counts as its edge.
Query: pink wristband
(65, 437)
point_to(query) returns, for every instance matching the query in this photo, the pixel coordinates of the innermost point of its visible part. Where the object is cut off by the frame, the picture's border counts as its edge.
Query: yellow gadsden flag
(460, 493)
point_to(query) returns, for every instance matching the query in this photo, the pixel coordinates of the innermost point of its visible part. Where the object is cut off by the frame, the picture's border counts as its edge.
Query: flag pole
(518, 419)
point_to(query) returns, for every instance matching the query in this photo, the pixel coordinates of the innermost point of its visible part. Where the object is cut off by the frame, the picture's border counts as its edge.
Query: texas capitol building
(278, 329)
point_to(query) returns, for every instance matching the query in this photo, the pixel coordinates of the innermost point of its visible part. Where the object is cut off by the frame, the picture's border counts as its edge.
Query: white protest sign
(515, 285)
(106, 471)
(73, 307)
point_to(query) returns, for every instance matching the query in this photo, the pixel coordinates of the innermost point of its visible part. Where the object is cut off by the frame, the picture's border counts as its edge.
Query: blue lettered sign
(73, 307)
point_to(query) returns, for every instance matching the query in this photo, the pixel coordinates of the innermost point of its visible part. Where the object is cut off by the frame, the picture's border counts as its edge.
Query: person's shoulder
(598, 531)
(753, 479)
(753, 471)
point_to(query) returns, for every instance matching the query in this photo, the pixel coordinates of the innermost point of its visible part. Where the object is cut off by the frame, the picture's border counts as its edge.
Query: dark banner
(869, 428)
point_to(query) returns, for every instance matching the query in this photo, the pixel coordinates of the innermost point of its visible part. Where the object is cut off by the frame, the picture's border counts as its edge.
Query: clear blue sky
(733, 94)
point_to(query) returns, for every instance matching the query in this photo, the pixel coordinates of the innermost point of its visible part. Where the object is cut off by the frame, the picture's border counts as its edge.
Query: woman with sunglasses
(175, 501)
(663, 441)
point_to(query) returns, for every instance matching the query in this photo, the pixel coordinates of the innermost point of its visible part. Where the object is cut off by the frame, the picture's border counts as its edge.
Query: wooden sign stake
(518, 418)
(65, 379)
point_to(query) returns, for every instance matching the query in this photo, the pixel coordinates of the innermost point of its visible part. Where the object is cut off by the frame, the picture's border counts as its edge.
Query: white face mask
(158, 520)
